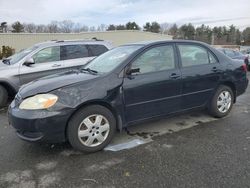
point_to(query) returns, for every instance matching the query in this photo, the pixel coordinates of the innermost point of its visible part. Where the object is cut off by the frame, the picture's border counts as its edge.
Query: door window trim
(176, 66)
(199, 45)
(91, 54)
(40, 49)
(61, 46)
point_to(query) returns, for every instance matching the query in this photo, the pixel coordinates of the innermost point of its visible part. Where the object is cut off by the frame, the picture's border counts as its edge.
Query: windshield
(111, 59)
(19, 55)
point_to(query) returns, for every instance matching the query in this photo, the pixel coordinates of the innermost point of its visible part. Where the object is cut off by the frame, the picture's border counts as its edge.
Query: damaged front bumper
(39, 125)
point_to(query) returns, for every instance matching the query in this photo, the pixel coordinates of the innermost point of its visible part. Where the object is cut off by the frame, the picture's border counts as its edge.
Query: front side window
(74, 52)
(18, 56)
(49, 54)
(155, 59)
(97, 49)
(192, 55)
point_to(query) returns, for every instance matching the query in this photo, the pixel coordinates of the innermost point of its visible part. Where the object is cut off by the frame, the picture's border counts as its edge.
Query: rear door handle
(56, 65)
(174, 76)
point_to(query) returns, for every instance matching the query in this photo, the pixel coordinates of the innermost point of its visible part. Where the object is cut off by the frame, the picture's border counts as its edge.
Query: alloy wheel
(224, 101)
(93, 130)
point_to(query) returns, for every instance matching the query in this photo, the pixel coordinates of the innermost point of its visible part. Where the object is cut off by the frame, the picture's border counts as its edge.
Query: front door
(156, 89)
(47, 62)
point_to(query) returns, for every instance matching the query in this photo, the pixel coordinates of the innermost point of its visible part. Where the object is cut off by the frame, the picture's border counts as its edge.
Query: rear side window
(192, 55)
(74, 52)
(97, 50)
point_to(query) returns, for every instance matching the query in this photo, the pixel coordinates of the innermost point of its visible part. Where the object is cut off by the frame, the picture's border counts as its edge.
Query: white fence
(20, 41)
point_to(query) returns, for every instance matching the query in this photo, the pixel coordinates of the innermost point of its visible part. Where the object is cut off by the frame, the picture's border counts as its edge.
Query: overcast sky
(95, 12)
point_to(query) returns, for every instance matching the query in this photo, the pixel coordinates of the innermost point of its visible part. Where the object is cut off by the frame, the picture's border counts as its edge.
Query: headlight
(41, 101)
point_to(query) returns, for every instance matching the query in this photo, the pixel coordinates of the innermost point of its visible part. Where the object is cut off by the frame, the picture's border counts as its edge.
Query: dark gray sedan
(126, 85)
(235, 55)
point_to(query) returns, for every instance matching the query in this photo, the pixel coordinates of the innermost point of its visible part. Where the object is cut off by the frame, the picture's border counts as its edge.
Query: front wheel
(91, 128)
(222, 102)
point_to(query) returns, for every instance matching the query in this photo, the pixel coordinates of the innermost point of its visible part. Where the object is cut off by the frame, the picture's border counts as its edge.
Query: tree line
(211, 35)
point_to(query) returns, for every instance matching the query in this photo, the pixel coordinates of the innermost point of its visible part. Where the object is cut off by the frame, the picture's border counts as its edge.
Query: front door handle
(56, 65)
(174, 76)
(214, 69)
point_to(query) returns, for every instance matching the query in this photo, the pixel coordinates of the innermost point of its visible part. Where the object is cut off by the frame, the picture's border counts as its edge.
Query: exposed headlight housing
(38, 102)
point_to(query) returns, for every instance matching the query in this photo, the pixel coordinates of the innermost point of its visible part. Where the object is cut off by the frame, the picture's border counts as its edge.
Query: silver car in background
(44, 59)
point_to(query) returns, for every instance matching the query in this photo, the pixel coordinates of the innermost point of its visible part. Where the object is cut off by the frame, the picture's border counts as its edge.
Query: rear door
(156, 89)
(75, 56)
(201, 73)
(47, 62)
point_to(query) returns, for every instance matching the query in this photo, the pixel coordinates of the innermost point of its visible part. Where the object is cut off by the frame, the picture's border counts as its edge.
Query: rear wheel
(222, 102)
(3, 96)
(91, 128)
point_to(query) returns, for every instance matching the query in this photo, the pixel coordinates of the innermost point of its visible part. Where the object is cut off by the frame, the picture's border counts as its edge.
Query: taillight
(244, 67)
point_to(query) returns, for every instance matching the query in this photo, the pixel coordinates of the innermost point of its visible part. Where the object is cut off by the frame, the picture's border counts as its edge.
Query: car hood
(53, 82)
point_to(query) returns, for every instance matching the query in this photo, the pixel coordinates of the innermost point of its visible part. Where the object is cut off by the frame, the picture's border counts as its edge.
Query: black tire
(212, 107)
(76, 120)
(3, 96)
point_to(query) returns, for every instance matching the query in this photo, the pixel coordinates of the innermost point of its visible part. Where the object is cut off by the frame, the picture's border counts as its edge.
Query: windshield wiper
(90, 70)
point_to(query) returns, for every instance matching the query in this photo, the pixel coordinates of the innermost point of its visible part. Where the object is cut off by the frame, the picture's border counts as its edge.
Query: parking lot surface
(188, 150)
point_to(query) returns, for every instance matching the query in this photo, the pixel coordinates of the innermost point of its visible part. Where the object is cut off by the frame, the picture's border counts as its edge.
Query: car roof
(71, 42)
(155, 42)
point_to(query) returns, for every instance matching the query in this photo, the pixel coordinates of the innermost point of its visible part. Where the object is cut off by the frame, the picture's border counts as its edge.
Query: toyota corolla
(126, 85)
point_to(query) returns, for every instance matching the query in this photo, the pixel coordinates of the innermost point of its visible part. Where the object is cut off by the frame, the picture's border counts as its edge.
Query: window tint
(97, 49)
(192, 55)
(47, 55)
(156, 59)
(74, 52)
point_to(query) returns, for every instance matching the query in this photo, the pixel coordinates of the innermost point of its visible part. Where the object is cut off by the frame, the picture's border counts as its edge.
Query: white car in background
(44, 59)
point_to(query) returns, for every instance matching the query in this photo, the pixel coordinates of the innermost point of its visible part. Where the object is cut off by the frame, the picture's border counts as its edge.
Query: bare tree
(92, 28)
(77, 28)
(41, 28)
(84, 28)
(53, 27)
(29, 27)
(102, 27)
(165, 28)
(66, 26)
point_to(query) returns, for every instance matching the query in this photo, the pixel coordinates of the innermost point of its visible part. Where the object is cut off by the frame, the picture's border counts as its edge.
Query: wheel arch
(10, 90)
(101, 103)
(232, 86)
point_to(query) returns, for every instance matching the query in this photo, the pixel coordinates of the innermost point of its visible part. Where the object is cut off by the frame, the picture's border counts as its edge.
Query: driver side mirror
(132, 71)
(29, 62)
